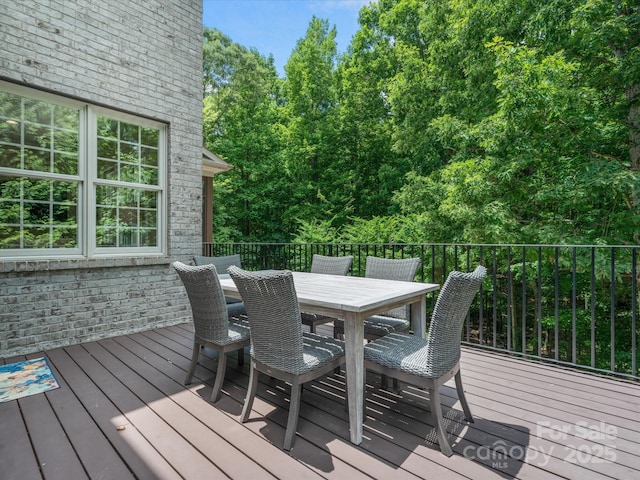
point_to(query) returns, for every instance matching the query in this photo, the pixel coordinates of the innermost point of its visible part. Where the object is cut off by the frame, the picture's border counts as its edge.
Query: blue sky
(274, 26)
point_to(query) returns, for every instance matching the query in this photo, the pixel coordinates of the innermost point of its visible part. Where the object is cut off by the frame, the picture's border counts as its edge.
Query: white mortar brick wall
(143, 58)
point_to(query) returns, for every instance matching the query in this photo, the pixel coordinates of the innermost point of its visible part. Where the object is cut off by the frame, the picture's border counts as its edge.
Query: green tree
(376, 171)
(541, 154)
(241, 125)
(311, 133)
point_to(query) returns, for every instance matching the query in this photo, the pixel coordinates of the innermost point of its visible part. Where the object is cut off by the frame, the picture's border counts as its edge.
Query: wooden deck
(122, 412)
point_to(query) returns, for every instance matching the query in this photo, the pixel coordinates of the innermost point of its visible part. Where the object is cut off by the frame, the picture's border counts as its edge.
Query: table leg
(419, 317)
(354, 352)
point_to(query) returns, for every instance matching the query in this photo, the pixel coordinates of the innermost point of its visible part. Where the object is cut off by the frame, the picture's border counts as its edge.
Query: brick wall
(143, 58)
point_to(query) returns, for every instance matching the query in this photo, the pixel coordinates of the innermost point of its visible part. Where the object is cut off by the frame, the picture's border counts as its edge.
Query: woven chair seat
(407, 353)
(379, 325)
(318, 351)
(237, 331)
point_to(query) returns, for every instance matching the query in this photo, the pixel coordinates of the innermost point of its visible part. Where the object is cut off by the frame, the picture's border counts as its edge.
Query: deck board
(168, 430)
(55, 453)
(17, 459)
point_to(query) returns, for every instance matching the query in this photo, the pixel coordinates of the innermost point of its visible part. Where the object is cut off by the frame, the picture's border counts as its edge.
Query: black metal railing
(573, 305)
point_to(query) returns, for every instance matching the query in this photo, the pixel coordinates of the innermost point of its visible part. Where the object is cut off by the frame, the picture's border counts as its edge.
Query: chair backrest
(331, 265)
(402, 269)
(221, 263)
(449, 313)
(208, 305)
(274, 317)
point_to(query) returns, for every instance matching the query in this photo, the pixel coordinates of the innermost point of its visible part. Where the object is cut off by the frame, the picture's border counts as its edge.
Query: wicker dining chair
(214, 327)
(222, 263)
(279, 348)
(430, 362)
(329, 266)
(397, 319)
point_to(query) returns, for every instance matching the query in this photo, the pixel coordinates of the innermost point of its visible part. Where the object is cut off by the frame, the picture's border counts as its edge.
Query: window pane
(37, 160)
(36, 189)
(107, 170)
(106, 216)
(64, 214)
(106, 195)
(128, 173)
(121, 221)
(65, 140)
(128, 197)
(107, 148)
(65, 237)
(128, 132)
(11, 106)
(9, 211)
(33, 133)
(106, 237)
(149, 176)
(34, 213)
(36, 237)
(37, 135)
(129, 153)
(64, 163)
(149, 156)
(10, 236)
(127, 237)
(65, 118)
(37, 112)
(148, 199)
(148, 238)
(107, 127)
(150, 136)
(65, 192)
(10, 188)
(127, 149)
(10, 130)
(9, 156)
(128, 217)
(148, 218)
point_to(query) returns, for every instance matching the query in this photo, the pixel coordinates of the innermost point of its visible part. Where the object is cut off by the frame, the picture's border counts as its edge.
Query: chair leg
(194, 362)
(217, 385)
(241, 357)
(294, 410)
(463, 398)
(251, 393)
(436, 413)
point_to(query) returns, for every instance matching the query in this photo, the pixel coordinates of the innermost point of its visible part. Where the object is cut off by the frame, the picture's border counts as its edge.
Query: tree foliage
(446, 120)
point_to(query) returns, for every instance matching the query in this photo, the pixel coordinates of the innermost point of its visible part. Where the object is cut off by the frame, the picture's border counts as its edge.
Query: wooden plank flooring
(123, 412)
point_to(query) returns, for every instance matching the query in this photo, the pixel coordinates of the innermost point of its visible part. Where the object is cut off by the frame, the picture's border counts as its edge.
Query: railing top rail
(531, 245)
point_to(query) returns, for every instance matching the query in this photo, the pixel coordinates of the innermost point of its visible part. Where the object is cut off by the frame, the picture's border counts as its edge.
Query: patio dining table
(353, 299)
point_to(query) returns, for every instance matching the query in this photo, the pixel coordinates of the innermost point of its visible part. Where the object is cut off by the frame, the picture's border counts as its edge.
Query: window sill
(42, 265)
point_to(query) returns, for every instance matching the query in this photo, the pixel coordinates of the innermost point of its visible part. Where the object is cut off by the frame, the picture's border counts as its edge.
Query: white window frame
(88, 180)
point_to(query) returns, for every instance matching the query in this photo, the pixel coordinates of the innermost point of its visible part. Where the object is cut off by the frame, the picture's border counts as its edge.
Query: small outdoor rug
(18, 380)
